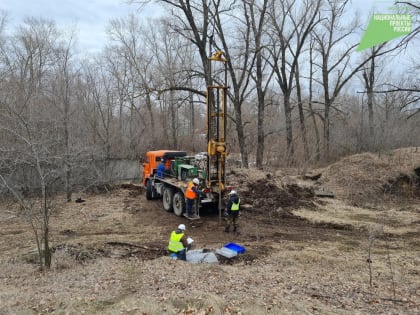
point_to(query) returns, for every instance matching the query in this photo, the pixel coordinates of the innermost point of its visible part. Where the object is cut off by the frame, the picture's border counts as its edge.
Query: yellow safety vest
(175, 244)
(235, 206)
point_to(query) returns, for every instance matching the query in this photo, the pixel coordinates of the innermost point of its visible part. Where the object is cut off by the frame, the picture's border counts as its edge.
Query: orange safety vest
(189, 193)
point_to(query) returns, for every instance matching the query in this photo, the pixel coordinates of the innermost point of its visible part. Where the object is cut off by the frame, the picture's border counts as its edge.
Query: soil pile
(267, 197)
(267, 194)
(367, 178)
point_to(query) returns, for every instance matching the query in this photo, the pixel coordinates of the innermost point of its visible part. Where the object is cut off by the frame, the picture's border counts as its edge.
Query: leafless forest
(298, 95)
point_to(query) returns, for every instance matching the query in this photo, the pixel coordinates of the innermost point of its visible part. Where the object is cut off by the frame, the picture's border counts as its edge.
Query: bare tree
(257, 20)
(240, 59)
(369, 81)
(312, 112)
(201, 22)
(336, 63)
(302, 122)
(194, 26)
(29, 132)
(61, 96)
(174, 67)
(370, 74)
(100, 109)
(128, 39)
(292, 23)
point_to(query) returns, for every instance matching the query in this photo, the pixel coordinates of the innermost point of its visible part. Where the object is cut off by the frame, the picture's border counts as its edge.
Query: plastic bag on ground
(197, 256)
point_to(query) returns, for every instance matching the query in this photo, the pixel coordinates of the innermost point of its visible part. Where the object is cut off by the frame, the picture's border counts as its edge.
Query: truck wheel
(149, 190)
(167, 199)
(178, 203)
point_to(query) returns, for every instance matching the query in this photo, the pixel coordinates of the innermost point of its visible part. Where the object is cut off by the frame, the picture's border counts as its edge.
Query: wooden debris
(322, 192)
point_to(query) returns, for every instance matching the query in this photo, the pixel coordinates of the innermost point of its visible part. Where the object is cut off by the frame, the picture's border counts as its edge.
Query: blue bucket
(235, 247)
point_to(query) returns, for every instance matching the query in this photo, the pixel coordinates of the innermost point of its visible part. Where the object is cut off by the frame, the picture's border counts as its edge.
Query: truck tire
(167, 199)
(149, 190)
(178, 203)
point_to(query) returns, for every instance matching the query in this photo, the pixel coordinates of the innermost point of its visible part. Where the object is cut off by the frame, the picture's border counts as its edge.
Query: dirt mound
(368, 178)
(267, 196)
(266, 193)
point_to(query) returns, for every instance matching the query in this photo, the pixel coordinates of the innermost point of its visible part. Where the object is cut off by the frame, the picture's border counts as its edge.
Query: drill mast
(216, 127)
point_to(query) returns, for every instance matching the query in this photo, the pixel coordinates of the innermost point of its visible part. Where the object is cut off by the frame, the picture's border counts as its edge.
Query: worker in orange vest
(191, 195)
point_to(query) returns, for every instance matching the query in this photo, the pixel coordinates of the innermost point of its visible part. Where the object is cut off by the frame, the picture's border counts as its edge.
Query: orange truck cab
(153, 159)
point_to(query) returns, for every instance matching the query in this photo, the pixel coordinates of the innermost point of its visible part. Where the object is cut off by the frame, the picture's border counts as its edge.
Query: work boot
(227, 229)
(234, 229)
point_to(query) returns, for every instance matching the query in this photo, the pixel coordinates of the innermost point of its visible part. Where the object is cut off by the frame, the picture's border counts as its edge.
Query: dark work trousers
(181, 255)
(232, 220)
(189, 206)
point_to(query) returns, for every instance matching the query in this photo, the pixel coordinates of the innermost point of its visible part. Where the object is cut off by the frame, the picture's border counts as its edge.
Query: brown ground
(304, 254)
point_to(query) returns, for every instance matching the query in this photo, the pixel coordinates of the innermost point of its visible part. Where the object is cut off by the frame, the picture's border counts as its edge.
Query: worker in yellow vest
(232, 211)
(178, 243)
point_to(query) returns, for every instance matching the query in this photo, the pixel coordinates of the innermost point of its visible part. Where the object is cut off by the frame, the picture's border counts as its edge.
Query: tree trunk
(45, 216)
(260, 118)
(152, 120)
(259, 77)
(241, 136)
(327, 107)
(301, 115)
(289, 129)
(317, 137)
(173, 119)
(369, 84)
(192, 118)
(67, 166)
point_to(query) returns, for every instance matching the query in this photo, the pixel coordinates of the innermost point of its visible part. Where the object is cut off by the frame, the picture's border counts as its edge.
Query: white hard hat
(181, 227)
(196, 181)
(232, 192)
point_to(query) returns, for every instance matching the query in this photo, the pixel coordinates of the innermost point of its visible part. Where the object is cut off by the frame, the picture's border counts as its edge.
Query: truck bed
(173, 182)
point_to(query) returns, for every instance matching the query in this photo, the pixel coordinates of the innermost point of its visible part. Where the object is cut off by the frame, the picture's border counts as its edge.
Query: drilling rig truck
(169, 181)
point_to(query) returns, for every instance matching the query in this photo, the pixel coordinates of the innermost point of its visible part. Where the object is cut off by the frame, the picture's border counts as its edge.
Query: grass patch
(365, 217)
(201, 304)
(348, 245)
(102, 305)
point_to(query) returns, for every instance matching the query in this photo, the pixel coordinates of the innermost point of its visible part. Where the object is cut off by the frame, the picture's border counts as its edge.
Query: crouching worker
(178, 243)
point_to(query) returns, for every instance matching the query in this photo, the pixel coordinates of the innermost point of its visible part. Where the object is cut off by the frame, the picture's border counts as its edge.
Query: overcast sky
(90, 17)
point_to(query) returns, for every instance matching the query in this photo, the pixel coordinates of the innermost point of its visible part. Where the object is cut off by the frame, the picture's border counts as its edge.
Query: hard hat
(181, 227)
(196, 181)
(232, 192)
